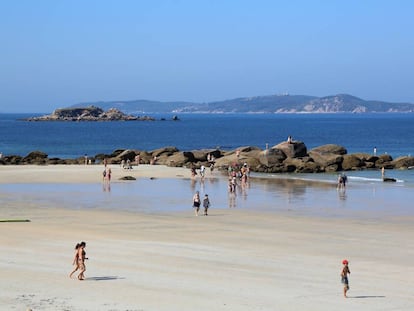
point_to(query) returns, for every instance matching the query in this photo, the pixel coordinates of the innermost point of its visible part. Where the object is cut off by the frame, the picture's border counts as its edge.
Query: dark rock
(331, 168)
(189, 155)
(389, 179)
(302, 165)
(325, 159)
(13, 159)
(54, 161)
(200, 155)
(145, 157)
(164, 151)
(403, 162)
(180, 159)
(385, 157)
(369, 165)
(351, 162)
(271, 157)
(127, 178)
(276, 169)
(216, 153)
(330, 148)
(36, 155)
(294, 149)
(385, 161)
(366, 157)
(38, 161)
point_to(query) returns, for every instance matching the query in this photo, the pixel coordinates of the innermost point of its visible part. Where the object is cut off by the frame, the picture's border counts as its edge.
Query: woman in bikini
(196, 202)
(75, 260)
(81, 255)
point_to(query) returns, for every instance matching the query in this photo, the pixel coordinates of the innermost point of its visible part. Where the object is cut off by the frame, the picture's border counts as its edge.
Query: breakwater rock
(284, 157)
(89, 114)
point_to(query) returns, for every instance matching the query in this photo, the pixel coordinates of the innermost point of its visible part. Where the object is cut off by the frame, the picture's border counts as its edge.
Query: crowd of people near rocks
(238, 176)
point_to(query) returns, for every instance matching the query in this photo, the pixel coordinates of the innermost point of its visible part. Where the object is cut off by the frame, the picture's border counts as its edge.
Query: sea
(389, 133)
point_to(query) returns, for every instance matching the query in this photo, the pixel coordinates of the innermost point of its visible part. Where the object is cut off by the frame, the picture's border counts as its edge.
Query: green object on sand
(14, 220)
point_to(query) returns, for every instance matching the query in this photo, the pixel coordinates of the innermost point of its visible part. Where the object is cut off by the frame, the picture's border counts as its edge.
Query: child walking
(206, 204)
(344, 276)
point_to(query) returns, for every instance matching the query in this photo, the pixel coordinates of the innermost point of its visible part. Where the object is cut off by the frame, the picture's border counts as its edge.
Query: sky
(54, 54)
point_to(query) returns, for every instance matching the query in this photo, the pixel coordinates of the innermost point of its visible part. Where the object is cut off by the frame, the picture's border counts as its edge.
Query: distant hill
(138, 106)
(260, 104)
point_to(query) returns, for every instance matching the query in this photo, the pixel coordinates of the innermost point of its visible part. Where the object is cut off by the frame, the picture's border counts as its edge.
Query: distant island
(90, 113)
(284, 103)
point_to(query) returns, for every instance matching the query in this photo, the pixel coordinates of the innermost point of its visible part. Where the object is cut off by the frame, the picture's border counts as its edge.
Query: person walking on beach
(196, 202)
(75, 260)
(81, 257)
(206, 204)
(202, 171)
(344, 276)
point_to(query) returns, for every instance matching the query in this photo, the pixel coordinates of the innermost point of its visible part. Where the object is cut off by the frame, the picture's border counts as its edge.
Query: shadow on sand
(104, 278)
(366, 297)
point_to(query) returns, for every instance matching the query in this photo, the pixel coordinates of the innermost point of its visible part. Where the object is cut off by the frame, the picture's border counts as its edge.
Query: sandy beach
(233, 259)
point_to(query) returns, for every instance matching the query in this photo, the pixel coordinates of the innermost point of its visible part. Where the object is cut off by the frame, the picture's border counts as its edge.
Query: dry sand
(232, 259)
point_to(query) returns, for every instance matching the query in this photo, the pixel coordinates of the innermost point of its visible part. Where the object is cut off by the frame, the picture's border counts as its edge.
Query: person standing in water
(206, 204)
(196, 202)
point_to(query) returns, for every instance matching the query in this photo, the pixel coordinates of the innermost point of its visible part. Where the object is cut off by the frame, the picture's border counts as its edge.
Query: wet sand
(143, 257)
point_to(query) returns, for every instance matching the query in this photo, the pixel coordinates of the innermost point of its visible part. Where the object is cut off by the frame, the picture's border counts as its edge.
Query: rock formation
(89, 114)
(282, 158)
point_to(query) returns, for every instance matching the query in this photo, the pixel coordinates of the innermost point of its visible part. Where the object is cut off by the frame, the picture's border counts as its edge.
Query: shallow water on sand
(303, 194)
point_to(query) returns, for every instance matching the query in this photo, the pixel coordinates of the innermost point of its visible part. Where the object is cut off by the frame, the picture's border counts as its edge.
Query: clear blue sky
(57, 53)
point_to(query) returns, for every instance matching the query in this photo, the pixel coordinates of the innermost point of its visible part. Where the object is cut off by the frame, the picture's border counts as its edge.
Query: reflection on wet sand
(342, 194)
(170, 194)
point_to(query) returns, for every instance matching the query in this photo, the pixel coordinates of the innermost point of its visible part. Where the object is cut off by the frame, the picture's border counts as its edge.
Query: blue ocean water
(389, 133)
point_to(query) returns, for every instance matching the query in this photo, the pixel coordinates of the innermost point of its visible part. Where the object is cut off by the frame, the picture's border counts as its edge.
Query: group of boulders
(286, 157)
